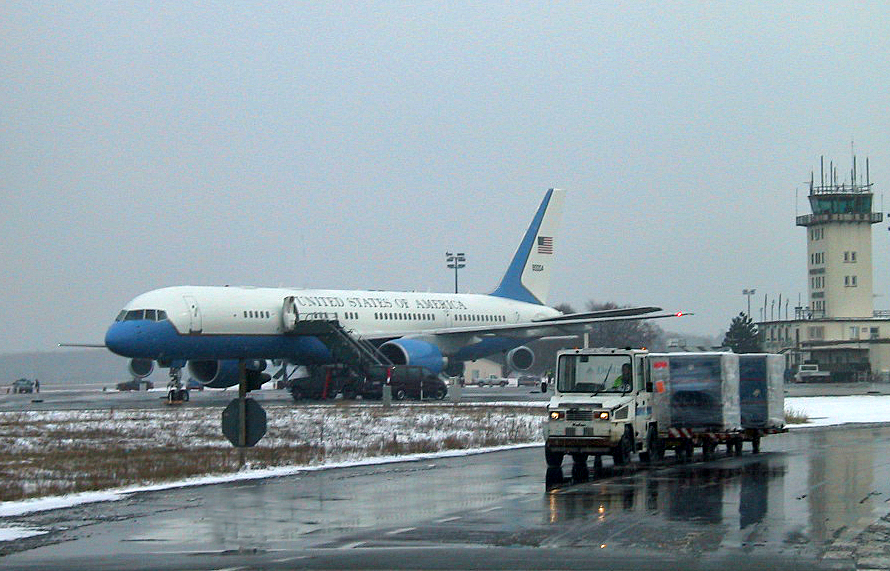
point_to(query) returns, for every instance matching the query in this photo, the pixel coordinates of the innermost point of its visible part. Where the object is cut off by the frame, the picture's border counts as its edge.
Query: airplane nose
(121, 338)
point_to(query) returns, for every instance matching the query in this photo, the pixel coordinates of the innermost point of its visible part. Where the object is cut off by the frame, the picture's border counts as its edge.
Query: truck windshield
(594, 374)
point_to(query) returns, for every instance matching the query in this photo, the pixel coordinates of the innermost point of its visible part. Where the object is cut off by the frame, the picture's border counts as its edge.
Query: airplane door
(195, 325)
(289, 314)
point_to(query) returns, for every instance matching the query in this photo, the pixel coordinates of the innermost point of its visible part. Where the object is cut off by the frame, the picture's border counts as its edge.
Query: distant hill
(64, 368)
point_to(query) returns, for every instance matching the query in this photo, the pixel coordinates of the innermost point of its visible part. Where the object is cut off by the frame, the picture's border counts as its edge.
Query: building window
(817, 332)
(874, 333)
(854, 332)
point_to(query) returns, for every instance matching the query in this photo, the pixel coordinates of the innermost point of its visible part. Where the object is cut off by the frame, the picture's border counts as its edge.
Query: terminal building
(838, 329)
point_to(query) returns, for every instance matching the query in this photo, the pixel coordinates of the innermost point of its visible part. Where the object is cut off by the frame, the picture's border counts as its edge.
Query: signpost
(247, 414)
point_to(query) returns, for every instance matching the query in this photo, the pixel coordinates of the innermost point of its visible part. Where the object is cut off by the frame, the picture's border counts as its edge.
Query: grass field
(62, 452)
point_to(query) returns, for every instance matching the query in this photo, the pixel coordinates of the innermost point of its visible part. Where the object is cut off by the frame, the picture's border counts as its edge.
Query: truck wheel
(579, 458)
(755, 444)
(399, 394)
(621, 453)
(554, 459)
(440, 393)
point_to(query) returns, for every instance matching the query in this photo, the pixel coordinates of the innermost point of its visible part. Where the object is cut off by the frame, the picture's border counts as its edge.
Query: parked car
(528, 381)
(492, 382)
(407, 382)
(23, 386)
(135, 385)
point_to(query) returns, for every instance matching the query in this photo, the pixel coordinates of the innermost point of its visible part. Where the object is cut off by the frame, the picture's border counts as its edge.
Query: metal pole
(242, 404)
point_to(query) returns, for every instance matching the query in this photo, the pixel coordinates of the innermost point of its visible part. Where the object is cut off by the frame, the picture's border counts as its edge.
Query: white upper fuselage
(368, 314)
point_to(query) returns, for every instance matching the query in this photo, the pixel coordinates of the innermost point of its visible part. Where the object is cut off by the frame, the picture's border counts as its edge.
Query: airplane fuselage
(202, 322)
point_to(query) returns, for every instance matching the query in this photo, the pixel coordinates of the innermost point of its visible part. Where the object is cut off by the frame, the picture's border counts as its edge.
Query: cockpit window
(140, 314)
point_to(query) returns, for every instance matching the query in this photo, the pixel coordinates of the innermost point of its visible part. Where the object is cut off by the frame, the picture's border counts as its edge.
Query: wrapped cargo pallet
(699, 391)
(761, 390)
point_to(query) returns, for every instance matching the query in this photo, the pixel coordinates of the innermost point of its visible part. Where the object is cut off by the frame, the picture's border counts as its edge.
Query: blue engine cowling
(414, 352)
(222, 374)
(520, 358)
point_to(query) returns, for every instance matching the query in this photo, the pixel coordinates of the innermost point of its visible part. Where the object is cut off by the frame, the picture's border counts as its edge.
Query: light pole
(455, 261)
(749, 293)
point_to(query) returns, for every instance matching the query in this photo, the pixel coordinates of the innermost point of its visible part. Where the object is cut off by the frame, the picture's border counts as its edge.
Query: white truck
(620, 401)
(810, 373)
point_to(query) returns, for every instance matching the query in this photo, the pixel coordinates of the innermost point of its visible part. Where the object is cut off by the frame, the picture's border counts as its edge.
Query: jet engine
(520, 358)
(221, 374)
(414, 352)
(141, 368)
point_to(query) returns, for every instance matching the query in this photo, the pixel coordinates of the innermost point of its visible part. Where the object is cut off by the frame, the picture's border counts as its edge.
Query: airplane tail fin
(528, 276)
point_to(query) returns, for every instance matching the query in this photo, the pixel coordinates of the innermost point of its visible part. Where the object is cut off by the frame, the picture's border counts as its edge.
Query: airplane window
(151, 314)
(162, 315)
(245, 315)
(121, 315)
(267, 315)
(134, 315)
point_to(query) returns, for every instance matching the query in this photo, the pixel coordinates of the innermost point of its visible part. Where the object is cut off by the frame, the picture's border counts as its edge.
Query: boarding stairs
(355, 352)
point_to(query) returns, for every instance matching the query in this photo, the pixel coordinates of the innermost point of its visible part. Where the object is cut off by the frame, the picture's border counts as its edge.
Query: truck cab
(601, 406)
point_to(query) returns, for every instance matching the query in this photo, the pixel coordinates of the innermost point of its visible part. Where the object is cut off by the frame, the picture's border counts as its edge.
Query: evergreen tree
(742, 336)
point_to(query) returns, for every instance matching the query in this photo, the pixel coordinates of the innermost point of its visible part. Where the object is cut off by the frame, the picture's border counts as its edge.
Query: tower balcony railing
(810, 219)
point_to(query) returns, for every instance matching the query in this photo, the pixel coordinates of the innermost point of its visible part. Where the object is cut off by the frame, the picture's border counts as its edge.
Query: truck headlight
(603, 415)
(557, 415)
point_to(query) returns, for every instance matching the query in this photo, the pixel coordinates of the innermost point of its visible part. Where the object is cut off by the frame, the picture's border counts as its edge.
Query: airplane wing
(561, 325)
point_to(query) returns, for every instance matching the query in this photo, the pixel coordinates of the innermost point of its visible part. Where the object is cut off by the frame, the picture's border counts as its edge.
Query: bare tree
(625, 333)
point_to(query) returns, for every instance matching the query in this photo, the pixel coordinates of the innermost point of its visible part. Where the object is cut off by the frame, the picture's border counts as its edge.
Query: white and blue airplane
(211, 329)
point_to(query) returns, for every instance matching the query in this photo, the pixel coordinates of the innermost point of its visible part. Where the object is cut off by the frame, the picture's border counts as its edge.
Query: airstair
(345, 348)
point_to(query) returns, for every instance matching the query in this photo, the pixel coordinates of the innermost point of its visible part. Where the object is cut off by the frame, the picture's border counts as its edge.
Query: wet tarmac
(814, 498)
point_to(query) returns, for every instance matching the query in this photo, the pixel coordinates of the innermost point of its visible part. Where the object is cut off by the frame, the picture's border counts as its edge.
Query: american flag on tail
(545, 245)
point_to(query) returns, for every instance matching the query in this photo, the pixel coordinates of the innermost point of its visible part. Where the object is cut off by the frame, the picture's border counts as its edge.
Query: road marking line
(403, 530)
(447, 519)
(485, 511)
(352, 545)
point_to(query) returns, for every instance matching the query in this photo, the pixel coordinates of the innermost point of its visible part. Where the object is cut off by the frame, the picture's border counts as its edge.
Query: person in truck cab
(625, 381)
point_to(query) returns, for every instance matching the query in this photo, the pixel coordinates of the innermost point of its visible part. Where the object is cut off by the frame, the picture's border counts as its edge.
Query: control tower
(839, 245)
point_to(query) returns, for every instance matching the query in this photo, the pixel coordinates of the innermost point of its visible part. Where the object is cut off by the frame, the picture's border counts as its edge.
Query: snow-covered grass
(62, 452)
(826, 411)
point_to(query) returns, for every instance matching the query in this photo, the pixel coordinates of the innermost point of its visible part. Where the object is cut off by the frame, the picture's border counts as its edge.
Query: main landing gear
(176, 393)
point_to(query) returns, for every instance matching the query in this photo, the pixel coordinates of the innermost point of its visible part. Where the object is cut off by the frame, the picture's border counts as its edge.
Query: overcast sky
(349, 145)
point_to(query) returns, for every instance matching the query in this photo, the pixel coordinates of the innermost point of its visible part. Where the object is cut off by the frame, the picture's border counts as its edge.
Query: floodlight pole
(455, 261)
(749, 292)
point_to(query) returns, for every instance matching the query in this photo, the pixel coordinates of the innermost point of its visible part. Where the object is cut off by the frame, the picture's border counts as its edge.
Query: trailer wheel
(399, 394)
(707, 450)
(755, 444)
(685, 450)
(737, 447)
(554, 459)
(579, 458)
(654, 447)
